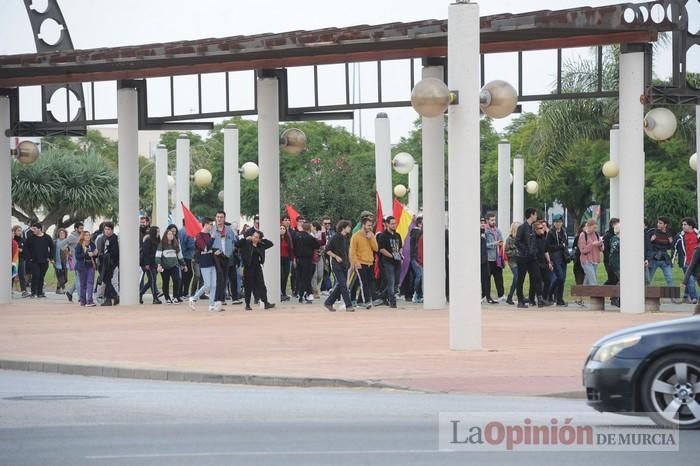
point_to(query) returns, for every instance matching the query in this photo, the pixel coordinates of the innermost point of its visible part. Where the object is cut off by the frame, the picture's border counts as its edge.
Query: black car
(653, 368)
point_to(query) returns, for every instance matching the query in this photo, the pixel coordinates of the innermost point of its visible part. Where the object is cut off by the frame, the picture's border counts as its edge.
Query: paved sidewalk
(524, 352)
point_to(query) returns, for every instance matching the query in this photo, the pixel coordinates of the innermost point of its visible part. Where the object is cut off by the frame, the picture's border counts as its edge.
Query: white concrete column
(518, 188)
(434, 205)
(5, 200)
(161, 217)
(182, 176)
(697, 151)
(269, 181)
(464, 175)
(382, 161)
(413, 188)
(615, 182)
(128, 148)
(504, 186)
(232, 179)
(632, 179)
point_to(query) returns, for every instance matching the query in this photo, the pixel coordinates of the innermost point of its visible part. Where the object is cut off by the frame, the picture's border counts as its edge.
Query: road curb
(189, 376)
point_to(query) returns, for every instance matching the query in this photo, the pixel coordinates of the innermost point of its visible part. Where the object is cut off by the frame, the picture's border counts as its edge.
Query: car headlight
(612, 348)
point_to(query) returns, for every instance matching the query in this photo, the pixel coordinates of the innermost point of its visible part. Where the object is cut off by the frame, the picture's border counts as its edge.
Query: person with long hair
(61, 260)
(205, 247)
(148, 263)
(286, 257)
(85, 253)
(168, 261)
(511, 251)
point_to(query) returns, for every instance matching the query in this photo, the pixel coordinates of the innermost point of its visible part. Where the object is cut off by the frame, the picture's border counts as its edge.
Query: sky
(103, 23)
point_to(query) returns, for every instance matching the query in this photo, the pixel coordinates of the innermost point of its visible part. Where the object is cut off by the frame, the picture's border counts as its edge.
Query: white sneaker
(192, 304)
(218, 306)
(501, 298)
(212, 309)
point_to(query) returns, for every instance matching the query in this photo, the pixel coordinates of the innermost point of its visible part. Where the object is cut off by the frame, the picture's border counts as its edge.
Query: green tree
(62, 187)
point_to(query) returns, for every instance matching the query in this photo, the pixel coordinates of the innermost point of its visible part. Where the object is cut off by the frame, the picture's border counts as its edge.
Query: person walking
(40, 251)
(108, 253)
(252, 251)
(390, 258)
(558, 250)
(187, 249)
(607, 236)
(85, 253)
(73, 240)
(591, 245)
(305, 246)
(484, 265)
(511, 254)
(614, 259)
(149, 248)
(684, 246)
(60, 263)
(286, 259)
(415, 237)
(494, 250)
(527, 261)
(169, 261)
(363, 246)
(540, 285)
(338, 250)
(579, 274)
(18, 236)
(225, 240)
(205, 257)
(318, 232)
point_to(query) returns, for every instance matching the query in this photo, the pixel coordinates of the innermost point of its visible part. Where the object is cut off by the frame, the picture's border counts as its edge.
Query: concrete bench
(652, 295)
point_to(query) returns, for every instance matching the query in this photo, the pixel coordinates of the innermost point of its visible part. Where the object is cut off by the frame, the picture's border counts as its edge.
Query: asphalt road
(51, 419)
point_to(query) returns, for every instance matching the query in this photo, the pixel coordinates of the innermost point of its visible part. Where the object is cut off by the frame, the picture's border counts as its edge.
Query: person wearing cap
(558, 249)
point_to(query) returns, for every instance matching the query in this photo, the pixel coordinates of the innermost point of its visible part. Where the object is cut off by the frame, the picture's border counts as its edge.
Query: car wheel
(670, 390)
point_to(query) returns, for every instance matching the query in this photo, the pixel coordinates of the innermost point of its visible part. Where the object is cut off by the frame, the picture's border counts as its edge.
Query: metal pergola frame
(625, 23)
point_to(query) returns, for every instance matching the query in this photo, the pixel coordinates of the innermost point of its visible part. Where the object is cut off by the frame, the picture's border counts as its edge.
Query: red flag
(192, 225)
(293, 215)
(380, 215)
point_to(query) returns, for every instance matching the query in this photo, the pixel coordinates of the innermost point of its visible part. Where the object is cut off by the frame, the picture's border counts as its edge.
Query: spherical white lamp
(27, 152)
(171, 182)
(693, 161)
(660, 123)
(498, 99)
(292, 141)
(532, 187)
(511, 177)
(221, 196)
(249, 170)
(400, 190)
(430, 97)
(610, 169)
(202, 178)
(403, 163)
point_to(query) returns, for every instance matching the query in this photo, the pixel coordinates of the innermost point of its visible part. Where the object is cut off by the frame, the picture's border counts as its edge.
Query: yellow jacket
(362, 249)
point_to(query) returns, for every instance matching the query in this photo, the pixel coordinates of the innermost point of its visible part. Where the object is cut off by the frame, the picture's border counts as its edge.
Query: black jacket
(340, 246)
(39, 249)
(558, 245)
(523, 241)
(250, 255)
(305, 245)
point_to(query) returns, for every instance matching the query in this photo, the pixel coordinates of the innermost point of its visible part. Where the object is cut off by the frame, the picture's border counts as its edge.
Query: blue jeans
(514, 285)
(209, 277)
(556, 288)
(589, 268)
(341, 286)
(690, 287)
(391, 271)
(417, 278)
(666, 268)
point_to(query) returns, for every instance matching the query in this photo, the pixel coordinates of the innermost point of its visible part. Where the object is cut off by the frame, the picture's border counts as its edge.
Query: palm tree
(64, 187)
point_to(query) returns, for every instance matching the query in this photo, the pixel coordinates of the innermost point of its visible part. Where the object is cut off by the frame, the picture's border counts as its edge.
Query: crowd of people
(356, 266)
(536, 249)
